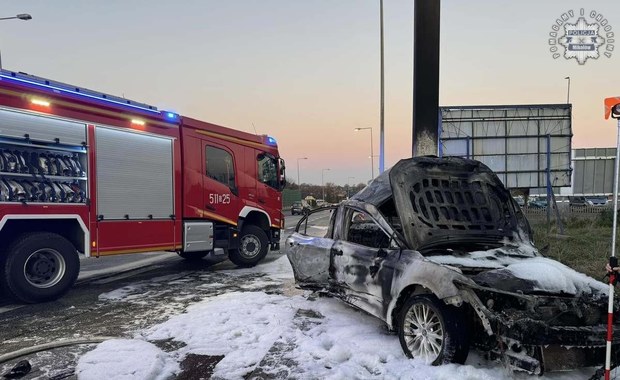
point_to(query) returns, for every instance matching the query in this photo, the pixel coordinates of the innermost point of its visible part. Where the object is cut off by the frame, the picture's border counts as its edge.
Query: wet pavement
(92, 310)
(150, 294)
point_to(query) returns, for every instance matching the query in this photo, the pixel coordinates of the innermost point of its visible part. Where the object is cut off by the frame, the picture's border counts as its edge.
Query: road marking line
(121, 276)
(6, 309)
(86, 275)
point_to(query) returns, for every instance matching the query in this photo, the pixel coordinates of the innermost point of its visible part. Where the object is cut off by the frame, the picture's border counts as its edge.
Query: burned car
(439, 250)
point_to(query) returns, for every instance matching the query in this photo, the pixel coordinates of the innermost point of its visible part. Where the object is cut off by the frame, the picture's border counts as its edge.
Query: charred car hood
(522, 270)
(443, 201)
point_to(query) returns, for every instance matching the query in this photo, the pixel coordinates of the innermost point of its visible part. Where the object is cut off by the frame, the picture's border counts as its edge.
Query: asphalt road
(127, 266)
(167, 283)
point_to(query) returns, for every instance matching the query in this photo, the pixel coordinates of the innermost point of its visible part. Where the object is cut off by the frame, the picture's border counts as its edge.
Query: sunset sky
(307, 72)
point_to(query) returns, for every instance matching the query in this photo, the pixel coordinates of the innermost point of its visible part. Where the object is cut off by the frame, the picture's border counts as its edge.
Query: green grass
(585, 245)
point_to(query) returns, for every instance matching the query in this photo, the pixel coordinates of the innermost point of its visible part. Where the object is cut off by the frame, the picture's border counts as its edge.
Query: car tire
(433, 331)
(253, 247)
(193, 256)
(39, 267)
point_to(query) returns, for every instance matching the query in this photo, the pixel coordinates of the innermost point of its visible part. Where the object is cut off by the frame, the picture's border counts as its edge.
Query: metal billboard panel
(512, 140)
(594, 171)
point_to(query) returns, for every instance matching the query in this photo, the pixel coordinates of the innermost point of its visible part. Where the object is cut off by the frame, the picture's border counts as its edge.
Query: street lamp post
(375, 157)
(298, 182)
(568, 91)
(323, 182)
(21, 16)
(372, 162)
(349, 186)
(382, 116)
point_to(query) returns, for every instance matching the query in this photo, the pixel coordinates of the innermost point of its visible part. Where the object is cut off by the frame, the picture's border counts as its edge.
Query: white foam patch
(553, 276)
(242, 326)
(249, 327)
(119, 294)
(125, 359)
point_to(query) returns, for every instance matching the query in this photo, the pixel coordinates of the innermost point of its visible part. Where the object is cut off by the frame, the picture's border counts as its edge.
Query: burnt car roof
(377, 191)
(443, 200)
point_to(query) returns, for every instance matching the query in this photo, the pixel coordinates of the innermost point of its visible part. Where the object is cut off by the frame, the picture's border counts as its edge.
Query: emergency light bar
(60, 87)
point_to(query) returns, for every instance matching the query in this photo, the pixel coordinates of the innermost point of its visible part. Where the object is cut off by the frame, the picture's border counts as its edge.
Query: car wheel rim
(44, 268)
(423, 332)
(250, 246)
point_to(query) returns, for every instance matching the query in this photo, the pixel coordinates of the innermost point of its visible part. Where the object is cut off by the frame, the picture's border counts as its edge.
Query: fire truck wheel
(252, 247)
(39, 266)
(193, 255)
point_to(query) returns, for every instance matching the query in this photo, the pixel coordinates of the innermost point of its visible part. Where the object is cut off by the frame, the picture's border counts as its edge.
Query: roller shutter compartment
(134, 175)
(41, 128)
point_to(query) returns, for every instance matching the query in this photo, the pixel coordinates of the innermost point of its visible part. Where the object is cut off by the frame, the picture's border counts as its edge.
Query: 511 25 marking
(223, 199)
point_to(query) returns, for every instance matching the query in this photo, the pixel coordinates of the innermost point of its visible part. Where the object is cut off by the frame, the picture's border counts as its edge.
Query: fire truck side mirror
(615, 111)
(282, 173)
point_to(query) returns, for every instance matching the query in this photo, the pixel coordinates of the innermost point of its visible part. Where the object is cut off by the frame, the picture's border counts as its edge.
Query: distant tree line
(333, 193)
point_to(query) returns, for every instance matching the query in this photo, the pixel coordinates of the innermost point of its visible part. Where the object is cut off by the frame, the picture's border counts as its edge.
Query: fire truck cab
(236, 179)
(91, 174)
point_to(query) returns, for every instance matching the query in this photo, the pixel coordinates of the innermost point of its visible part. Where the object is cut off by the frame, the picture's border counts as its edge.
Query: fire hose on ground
(48, 346)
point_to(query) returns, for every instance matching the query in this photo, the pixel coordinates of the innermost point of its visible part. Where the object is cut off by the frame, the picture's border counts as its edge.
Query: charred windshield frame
(330, 228)
(349, 218)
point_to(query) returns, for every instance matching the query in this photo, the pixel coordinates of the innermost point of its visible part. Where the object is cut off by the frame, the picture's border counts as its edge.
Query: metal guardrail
(567, 211)
(568, 208)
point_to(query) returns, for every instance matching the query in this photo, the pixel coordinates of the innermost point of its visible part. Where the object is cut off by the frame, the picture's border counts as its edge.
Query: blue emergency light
(171, 115)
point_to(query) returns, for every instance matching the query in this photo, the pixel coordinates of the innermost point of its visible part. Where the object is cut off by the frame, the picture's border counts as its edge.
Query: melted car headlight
(490, 303)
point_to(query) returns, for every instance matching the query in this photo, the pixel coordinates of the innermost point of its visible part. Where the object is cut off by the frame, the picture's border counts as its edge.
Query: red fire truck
(86, 173)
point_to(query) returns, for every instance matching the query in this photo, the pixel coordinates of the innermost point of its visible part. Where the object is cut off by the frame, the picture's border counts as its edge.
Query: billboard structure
(527, 146)
(594, 171)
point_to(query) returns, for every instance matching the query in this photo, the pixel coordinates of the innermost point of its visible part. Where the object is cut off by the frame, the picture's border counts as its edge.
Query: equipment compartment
(39, 172)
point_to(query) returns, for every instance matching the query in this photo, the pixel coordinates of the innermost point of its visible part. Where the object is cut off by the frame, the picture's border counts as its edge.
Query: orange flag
(609, 103)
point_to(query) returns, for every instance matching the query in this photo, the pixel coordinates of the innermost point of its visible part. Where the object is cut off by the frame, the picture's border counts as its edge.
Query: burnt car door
(309, 248)
(363, 258)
